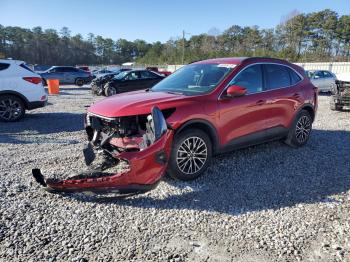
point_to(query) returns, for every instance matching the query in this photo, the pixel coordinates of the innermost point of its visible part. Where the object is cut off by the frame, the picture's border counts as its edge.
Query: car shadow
(40, 124)
(268, 176)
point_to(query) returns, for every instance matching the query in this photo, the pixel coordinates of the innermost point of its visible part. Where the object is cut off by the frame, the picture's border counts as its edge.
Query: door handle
(296, 95)
(260, 102)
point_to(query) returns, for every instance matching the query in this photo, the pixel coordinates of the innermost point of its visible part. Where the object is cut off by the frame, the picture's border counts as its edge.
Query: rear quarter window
(294, 77)
(4, 66)
(26, 68)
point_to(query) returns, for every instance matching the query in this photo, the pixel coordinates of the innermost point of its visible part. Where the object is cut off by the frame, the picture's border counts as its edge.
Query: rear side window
(26, 67)
(294, 77)
(250, 78)
(327, 74)
(147, 75)
(4, 66)
(277, 76)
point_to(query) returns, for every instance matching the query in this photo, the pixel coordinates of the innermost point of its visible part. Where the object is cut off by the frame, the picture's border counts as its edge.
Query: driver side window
(250, 78)
(132, 76)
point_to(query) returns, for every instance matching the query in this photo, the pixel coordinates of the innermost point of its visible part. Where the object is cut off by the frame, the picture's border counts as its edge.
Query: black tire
(335, 107)
(110, 90)
(11, 108)
(79, 82)
(300, 130)
(183, 165)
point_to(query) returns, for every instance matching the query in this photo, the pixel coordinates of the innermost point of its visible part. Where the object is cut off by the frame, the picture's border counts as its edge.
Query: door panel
(242, 116)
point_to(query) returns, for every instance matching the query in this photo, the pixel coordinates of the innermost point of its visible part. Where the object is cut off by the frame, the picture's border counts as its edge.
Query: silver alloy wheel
(10, 109)
(192, 155)
(303, 129)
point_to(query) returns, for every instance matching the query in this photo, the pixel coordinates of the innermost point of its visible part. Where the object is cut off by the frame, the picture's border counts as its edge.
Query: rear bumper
(36, 104)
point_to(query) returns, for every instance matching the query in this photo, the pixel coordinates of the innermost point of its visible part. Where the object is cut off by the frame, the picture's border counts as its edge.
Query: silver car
(67, 75)
(322, 79)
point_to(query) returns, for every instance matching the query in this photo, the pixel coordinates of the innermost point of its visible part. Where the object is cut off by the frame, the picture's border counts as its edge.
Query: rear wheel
(11, 108)
(110, 90)
(79, 82)
(191, 155)
(300, 131)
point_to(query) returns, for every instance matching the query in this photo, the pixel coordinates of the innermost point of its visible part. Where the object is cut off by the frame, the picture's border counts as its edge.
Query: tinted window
(147, 75)
(133, 76)
(4, 66)
(319, 74)
(250, 78)
(70, 69)
(294, 77)
(277, 76)
(327, 74)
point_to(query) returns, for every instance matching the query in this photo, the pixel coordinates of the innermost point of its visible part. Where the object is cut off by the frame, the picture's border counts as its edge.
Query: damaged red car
(203, 109)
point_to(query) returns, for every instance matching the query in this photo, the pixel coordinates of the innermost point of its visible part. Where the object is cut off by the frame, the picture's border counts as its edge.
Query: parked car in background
(98, 83)
(85, 68)
(157, 70)
(130, 81)
(202, 109)
(67, 75)
(324, 80)
(20, 89)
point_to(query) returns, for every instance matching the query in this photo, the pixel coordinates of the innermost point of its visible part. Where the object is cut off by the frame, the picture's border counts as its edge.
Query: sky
(157, 20)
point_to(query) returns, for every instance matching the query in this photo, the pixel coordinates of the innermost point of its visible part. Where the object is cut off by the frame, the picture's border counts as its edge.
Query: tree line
(317, 36)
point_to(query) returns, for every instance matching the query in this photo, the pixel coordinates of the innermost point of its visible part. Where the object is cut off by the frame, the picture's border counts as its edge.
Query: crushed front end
(340, 95)
(142, 143)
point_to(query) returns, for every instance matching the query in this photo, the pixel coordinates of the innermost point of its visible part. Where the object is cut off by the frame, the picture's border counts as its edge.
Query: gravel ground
(264, 203)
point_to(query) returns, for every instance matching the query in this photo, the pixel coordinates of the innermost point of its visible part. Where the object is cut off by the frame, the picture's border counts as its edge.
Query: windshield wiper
(173, 92)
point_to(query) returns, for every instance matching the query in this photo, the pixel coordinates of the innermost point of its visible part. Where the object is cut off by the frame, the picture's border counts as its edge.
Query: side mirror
(236, 91)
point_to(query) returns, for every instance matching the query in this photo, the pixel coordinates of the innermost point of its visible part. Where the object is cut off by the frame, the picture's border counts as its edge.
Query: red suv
(202, 109)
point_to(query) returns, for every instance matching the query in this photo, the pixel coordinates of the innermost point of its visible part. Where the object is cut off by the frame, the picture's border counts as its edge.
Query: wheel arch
(205, 126)
(310, 109)
(19, 95)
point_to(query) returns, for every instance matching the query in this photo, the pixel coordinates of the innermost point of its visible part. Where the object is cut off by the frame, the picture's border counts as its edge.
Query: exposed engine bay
(141, 142)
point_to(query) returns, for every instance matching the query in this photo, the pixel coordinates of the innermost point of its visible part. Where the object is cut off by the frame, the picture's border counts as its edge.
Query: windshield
(194, 79)
(121, 75)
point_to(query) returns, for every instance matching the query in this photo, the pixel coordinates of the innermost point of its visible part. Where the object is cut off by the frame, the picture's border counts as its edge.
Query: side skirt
(267, 135)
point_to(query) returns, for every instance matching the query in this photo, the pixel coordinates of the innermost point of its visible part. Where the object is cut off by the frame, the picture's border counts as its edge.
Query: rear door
(284, 96)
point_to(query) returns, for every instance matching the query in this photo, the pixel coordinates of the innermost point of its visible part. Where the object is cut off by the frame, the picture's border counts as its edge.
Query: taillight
(33, 80)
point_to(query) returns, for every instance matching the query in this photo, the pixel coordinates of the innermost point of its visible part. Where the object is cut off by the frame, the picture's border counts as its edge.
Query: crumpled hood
(134, 103)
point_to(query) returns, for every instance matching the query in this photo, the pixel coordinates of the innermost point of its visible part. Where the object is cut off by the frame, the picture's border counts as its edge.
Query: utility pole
(183, 46)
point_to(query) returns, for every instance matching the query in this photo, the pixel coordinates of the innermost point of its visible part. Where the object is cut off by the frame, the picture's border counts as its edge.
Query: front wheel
(191, 155)
(79, 82)
(110, 90)
(11, 108)
(299, 133)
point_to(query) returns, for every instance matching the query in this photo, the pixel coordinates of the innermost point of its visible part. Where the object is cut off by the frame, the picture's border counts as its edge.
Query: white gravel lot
(265, 203)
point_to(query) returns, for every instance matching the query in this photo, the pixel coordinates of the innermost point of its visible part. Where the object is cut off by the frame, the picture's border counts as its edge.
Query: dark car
(67, 75)
(203, 109)
(100, 80)
(131, 81)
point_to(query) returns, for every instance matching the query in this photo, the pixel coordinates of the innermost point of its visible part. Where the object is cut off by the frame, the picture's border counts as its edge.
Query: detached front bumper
(146, 169)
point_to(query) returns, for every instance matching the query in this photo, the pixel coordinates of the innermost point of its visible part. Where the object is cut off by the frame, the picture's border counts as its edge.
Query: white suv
(20, 89)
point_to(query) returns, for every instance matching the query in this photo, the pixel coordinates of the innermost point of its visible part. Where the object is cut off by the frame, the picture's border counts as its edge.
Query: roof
(225, 60)
(239, 60)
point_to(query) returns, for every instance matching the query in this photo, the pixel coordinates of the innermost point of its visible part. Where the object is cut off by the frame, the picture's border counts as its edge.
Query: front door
(242, 119)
